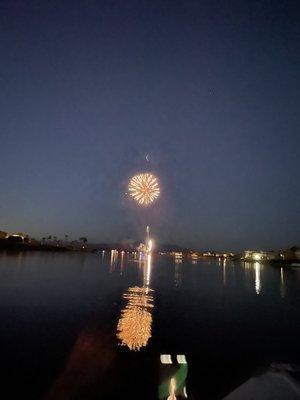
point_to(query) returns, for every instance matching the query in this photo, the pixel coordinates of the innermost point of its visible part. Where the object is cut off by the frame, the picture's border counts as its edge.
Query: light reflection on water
(257, 267)
(224, 271)
(282, 283)
(134, 327)
(178, 273)
(113, 260)
(215, 308)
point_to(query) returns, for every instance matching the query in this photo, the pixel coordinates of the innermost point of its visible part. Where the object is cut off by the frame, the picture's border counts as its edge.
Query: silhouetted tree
(83, 240)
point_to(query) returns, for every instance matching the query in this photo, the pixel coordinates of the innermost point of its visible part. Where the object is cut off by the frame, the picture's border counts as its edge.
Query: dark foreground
(60, 312)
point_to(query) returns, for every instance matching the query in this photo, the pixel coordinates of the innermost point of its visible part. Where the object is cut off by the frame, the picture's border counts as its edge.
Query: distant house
(176, 254)
(194, 256)
(209, 254)
(228, 255)
(15, 238)
(218, 254)
(291, 254)
(3, 235)
(296, 251)
(252, 255)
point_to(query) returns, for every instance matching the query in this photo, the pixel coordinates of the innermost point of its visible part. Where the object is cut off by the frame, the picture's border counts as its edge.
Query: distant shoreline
(23, 247)
(29, 247)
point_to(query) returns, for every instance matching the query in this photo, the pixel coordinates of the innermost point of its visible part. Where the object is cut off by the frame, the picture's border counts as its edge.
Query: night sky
(208, 89)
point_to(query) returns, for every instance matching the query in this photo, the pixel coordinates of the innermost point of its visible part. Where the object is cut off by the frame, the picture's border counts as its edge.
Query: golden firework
(144, 188)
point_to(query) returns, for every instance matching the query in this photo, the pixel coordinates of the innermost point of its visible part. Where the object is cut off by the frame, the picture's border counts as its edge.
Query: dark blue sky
(209, 89)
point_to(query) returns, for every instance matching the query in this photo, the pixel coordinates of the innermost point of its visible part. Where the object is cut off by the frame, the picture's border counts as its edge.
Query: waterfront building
(16, 238)
(290, 254)
(209, 254)
(3, 235)
(252, 255)
(218, 254)
(228, 255)
(176, 254)
(194, 256)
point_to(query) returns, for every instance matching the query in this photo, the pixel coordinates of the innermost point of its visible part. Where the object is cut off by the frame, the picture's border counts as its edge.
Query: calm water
(61, 314)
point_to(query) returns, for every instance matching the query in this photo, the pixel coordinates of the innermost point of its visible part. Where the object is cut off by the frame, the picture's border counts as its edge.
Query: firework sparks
(144, 188)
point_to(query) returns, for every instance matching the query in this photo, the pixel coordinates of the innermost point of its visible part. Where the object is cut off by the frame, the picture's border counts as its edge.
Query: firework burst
(144, 188)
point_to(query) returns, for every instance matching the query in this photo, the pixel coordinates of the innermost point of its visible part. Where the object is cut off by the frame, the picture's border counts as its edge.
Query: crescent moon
(147, 157)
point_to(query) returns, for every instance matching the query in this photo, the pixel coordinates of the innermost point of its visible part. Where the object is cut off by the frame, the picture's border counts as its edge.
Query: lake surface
(94, 326)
